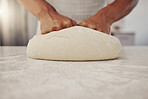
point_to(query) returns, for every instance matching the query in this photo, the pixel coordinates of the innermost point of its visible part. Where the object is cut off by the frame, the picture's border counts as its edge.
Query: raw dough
(75, 43)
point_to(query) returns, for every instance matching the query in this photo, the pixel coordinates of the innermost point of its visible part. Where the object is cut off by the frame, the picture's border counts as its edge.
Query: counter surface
(25, 78)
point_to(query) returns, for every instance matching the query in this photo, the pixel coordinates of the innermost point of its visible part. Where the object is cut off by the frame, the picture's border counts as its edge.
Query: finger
(92, 26)
(54, 28)
(59, 28)
(84, 24)
(47, 31)
(102, 29)
(67, 24)
(74, 23)
(98, 29)
(108, 32)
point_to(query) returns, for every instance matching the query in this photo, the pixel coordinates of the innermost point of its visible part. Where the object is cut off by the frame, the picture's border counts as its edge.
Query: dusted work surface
(25, 78)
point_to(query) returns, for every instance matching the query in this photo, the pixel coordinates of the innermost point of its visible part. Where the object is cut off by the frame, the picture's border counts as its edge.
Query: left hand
(98, 22)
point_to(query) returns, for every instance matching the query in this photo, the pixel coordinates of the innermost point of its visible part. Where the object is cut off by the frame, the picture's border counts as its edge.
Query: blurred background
(17, 25)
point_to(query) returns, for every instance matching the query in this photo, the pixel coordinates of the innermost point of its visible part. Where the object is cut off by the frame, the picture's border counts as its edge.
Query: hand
(97, 22)
(54, 22)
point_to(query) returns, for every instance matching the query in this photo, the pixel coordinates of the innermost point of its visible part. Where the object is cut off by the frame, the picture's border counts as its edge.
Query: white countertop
(25, 78)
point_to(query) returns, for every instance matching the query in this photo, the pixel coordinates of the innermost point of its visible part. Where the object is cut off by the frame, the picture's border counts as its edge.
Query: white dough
(75, 43)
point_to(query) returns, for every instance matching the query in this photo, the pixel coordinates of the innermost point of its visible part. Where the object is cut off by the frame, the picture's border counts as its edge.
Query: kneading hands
(51, 20)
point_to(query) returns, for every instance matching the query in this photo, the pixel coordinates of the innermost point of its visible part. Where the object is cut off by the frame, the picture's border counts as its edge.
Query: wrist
(46, 10)
(104, 13)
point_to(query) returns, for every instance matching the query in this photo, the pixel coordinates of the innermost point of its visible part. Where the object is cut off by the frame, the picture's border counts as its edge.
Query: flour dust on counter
(25, 78)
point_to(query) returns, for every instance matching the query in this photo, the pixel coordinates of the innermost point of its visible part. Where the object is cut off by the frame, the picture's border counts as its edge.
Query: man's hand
(50, 19)
(54, 22)
(103, 19)
(97, 22)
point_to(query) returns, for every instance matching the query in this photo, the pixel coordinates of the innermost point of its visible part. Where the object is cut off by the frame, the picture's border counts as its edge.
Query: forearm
(38, 7)
(118, 9)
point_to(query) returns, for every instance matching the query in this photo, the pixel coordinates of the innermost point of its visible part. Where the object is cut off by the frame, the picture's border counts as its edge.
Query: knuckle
(57, 22)
(67, 22)
(74, 22)
(92, 25)
(83, 23)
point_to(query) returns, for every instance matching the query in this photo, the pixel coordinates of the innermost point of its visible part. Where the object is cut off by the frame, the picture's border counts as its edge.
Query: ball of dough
(75, 43)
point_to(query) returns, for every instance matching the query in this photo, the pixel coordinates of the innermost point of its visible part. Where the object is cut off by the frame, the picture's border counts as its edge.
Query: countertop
(26, 78)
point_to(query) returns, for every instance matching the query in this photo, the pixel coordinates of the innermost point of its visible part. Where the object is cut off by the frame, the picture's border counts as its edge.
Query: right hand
(54, 22)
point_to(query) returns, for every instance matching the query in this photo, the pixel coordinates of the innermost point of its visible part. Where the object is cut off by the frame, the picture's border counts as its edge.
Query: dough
(75, 43)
